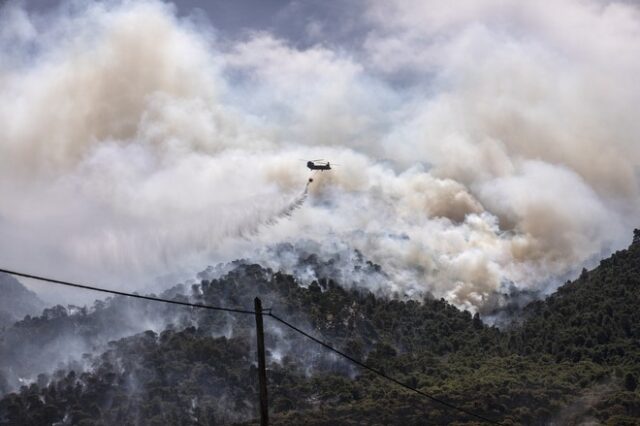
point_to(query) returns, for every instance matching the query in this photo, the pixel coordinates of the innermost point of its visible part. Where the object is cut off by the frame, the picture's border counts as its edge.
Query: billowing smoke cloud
(483, 145)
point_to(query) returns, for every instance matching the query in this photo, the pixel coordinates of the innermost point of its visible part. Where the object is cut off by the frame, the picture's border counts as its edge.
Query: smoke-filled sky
(482, 145)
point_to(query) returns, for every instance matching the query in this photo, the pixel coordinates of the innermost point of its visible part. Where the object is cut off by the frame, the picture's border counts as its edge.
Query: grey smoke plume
(482, 142)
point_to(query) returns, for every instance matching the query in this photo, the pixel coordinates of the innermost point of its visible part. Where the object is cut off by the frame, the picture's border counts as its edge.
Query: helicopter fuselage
(321, 166)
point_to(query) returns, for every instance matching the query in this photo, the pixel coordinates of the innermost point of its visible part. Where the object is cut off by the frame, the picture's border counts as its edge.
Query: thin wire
(122, 293)
(380, 373)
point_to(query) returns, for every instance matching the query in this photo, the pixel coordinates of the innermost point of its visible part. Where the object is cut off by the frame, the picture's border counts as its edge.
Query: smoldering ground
(499, 139)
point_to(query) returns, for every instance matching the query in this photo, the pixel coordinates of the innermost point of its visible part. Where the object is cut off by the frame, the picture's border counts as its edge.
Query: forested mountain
(16, 300)
(573, 358)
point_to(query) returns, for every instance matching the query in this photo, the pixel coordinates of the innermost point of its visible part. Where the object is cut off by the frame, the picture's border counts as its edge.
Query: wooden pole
(262, 370)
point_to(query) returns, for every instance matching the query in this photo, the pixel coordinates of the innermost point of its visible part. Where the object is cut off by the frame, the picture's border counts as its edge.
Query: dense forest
(573, 358)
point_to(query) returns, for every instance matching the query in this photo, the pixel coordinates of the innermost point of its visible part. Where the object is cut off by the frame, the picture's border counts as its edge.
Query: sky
(484, 147)
(284, 18)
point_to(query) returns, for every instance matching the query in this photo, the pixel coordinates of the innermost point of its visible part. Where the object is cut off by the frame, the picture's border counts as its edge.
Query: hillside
(573, 359)
(16, 301)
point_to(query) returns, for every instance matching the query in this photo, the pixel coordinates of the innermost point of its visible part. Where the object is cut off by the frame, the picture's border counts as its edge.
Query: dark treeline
(573, 358)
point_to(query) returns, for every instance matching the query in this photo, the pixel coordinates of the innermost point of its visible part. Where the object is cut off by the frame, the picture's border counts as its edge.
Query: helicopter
(321, 165)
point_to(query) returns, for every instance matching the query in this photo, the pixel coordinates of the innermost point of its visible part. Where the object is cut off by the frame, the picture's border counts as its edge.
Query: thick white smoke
(480, 143)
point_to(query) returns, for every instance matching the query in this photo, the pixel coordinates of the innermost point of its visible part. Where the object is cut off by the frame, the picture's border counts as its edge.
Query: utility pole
(262, 371)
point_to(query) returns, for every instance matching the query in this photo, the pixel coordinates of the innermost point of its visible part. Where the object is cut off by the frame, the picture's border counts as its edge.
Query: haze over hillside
(16, 301)
(574, 358)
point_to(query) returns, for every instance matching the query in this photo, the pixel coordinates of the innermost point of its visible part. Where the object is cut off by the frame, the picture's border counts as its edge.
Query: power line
(380, 373)
(269, 313)
(122, 293)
